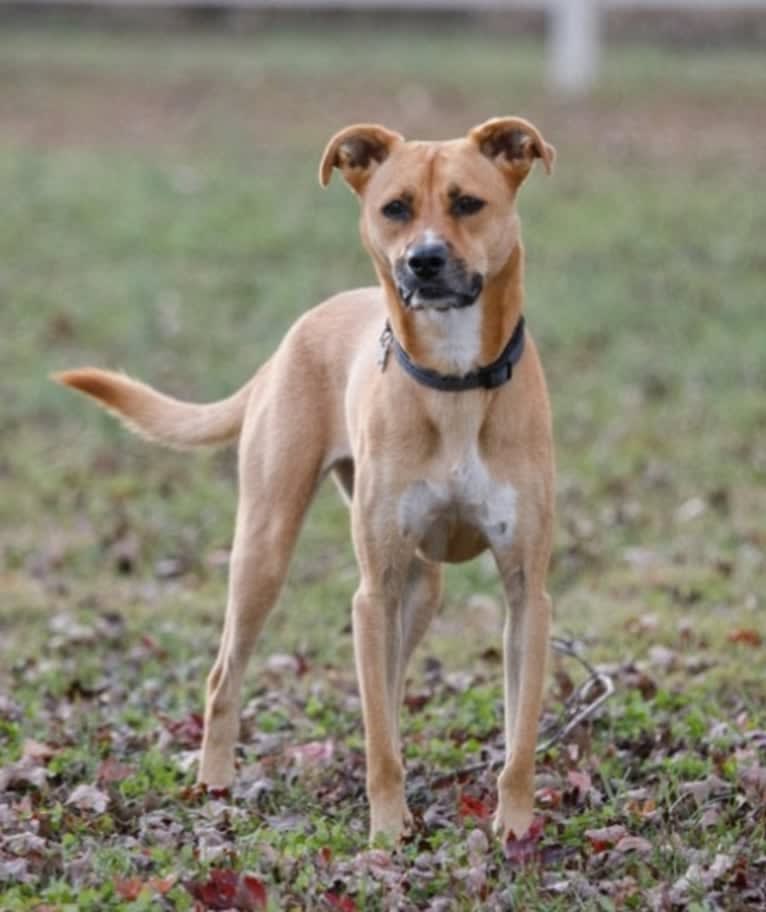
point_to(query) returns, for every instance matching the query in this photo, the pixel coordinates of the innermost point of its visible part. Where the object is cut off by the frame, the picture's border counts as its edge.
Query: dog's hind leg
(280, 467)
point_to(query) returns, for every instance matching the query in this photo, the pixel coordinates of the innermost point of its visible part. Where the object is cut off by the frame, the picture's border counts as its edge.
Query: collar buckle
(384, 345)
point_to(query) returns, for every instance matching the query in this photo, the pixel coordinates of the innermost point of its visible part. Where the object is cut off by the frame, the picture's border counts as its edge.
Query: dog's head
(438, 218)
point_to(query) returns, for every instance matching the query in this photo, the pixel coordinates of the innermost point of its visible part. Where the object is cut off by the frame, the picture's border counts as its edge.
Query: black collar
(489, 377)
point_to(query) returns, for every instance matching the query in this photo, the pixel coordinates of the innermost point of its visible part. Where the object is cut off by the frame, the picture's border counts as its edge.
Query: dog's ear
(513, 144)
(357, 151)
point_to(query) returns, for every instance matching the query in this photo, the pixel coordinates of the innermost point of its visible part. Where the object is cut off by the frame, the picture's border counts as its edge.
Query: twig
(581, 704)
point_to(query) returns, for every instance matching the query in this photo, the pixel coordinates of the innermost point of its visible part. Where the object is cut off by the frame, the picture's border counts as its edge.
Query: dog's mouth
(462, 291)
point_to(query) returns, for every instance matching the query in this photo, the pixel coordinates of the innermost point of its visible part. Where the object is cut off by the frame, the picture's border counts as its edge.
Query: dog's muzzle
(429, 277)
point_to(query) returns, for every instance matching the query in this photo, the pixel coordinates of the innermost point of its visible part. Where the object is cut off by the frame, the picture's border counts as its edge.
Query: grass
(161, 214)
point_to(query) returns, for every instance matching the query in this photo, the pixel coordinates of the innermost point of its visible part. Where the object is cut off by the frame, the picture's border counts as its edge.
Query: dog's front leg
(525, 646)
(377, 622)
(377, 641)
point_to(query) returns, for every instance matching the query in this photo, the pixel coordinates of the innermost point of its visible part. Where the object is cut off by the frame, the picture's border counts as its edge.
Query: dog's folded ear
(357, 151)
(513, 144)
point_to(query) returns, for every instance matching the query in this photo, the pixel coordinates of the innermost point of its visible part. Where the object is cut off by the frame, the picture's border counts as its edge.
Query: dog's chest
(464, 511)
(455, 337)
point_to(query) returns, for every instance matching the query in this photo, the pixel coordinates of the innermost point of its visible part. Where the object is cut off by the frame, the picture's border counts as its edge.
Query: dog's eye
(397, 210)
(467, 205)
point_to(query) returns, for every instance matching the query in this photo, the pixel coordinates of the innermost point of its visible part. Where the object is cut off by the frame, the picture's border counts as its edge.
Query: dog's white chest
(467, 500)
(455, 337)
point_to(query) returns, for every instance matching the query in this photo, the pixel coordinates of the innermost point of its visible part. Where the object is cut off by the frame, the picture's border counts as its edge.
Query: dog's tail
(158, 417)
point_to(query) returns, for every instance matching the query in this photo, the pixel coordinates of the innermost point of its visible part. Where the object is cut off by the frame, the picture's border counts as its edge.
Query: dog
(425, 399)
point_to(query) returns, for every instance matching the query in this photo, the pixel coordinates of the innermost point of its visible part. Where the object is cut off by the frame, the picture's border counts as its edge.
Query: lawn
(161, 214)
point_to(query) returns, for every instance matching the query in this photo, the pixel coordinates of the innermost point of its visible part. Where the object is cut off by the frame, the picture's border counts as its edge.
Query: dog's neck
(459, 340)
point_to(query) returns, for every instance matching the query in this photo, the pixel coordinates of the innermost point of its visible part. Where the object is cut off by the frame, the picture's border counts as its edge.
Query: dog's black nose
(427, 260)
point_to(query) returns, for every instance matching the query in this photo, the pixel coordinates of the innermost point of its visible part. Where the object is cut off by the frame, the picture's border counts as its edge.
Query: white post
(574, 44)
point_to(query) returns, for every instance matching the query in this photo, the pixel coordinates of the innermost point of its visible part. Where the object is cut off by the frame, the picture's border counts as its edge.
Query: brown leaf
(416, 701)
(37, 752)
(111, 770)
(746, 636)
(549, 797)
(647, 808)
(162, 885)
(128, 888)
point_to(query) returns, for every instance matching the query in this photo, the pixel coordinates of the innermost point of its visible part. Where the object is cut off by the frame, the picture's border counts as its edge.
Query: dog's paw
(391, 822)
(513, 816)
(216, 769)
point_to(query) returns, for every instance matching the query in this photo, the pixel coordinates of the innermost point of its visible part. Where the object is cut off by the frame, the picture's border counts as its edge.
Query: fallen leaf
(468, 806)
(162, 885)
(634, 844)
(745, 635)
(111, 770)
(647, 808)
(128, 888)
(753, 778)
(605, 837)
(477, 842)
(710, 818)
(219, 891)
(721, 864)
(549, 797)
(581, 782)
(342, 903)
(416, 701)
(524, 851)
(703, 789)
(25, 772)
(251, 894)
(36, 751)
(187, 731)
(89, 798)
(313, 753)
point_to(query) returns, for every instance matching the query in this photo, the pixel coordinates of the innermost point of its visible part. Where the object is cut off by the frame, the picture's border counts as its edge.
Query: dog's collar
(493, 375)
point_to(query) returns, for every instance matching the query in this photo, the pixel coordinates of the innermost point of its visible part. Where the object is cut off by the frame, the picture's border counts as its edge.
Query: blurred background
(161, 214)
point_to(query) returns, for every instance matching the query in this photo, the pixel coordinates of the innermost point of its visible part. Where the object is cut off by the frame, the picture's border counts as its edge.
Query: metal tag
(386, 338)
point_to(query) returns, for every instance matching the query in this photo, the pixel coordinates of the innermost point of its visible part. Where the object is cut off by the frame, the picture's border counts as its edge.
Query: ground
(161, 214)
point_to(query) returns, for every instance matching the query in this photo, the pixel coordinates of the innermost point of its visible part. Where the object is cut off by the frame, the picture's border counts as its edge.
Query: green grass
(161, 214)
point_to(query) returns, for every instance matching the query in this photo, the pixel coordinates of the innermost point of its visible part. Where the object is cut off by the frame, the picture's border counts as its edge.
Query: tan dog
(432, 475)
